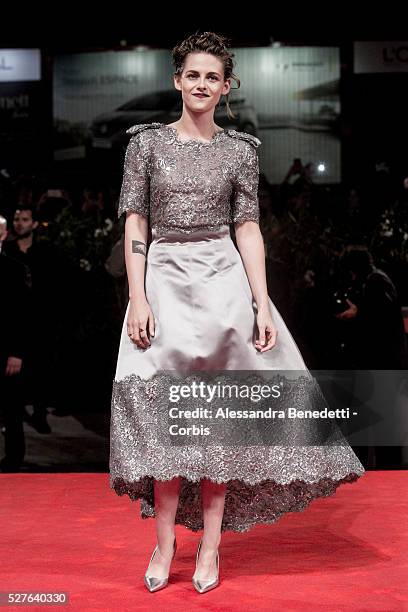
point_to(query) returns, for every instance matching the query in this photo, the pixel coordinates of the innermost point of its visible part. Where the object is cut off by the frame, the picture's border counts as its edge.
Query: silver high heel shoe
(153, 583)
(202, 586)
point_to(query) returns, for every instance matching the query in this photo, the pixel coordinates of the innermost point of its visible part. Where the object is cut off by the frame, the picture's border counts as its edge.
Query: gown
(205, 320)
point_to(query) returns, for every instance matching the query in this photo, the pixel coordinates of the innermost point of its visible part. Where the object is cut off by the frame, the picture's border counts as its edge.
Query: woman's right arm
(140, 321)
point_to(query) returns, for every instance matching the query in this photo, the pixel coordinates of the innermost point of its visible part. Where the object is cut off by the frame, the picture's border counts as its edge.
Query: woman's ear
(227, 87)
(177, 83)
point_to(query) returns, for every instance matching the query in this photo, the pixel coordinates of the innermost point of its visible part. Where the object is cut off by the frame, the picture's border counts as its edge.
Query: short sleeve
(245, 203)
(135, 191)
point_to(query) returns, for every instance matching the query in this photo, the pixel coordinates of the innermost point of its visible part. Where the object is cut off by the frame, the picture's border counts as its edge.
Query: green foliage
(389, 243)
(85, 241)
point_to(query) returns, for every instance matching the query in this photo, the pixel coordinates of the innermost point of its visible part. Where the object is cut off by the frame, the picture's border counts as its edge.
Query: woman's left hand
(267, 331)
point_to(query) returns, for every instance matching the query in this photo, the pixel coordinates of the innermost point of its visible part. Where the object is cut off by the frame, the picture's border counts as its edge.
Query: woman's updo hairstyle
(207, 42)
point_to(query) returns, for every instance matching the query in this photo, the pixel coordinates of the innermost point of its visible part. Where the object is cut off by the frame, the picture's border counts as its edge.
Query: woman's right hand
(140, 322)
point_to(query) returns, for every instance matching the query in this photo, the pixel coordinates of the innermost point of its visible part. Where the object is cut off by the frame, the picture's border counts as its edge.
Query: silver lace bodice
(190, 185)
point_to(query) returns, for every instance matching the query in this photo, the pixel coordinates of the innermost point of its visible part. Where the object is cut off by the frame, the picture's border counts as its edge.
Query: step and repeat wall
(22, 107)
(289, 98)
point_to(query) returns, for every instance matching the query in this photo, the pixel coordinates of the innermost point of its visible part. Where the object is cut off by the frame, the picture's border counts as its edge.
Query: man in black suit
(46, 277)
(14, 318)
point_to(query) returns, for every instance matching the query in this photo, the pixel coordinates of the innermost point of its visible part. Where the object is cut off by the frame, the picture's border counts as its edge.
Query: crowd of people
(342, 301)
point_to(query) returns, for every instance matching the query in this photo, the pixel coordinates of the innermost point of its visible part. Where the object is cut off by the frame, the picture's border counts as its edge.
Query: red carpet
(70, 532)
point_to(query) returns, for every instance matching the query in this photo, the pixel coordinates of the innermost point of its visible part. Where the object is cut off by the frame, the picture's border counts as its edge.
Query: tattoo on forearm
(138, 247)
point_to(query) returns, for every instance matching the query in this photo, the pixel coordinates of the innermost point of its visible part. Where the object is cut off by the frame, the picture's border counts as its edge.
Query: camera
(338, 300)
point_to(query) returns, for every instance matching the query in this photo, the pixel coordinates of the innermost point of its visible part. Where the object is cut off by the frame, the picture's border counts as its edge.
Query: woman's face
(203, 73)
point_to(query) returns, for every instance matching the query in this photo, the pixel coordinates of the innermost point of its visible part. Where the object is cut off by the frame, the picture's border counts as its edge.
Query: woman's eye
(192, 76)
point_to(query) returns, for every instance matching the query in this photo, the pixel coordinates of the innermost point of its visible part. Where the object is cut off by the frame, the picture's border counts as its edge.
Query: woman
(200, 305)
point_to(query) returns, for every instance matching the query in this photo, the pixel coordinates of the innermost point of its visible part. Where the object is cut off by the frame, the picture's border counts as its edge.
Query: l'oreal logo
(395, 54)
(3, 64)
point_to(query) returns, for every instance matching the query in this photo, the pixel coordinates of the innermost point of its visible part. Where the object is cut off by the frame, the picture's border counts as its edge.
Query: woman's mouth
(200, 95)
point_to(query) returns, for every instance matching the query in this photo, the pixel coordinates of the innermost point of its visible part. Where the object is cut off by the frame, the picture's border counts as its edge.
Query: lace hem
(246, 505)
(263, 482)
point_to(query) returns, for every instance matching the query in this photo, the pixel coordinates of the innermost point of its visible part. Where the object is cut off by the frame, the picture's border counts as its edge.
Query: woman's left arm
(251, 247)
(245, 216)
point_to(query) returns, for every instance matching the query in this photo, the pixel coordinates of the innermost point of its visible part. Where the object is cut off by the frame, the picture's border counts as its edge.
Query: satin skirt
(205, 319)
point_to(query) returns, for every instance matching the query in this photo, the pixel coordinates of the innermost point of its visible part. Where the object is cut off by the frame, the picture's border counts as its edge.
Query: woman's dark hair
(207, 42)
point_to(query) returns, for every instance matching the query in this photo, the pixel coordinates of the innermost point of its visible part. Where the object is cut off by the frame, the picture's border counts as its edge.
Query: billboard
(289, 98)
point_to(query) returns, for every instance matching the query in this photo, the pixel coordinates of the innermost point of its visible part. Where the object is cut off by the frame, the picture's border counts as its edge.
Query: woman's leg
(213, 498)
(166, 497)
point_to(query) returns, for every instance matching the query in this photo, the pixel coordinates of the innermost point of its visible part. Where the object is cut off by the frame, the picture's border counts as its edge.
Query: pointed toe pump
(202, 586)
(155, 584)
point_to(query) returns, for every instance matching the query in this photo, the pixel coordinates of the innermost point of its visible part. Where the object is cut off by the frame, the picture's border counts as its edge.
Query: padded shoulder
(140, 127)
(253, 140)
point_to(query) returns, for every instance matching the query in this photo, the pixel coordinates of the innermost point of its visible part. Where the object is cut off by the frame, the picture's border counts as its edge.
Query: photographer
(378, 338)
